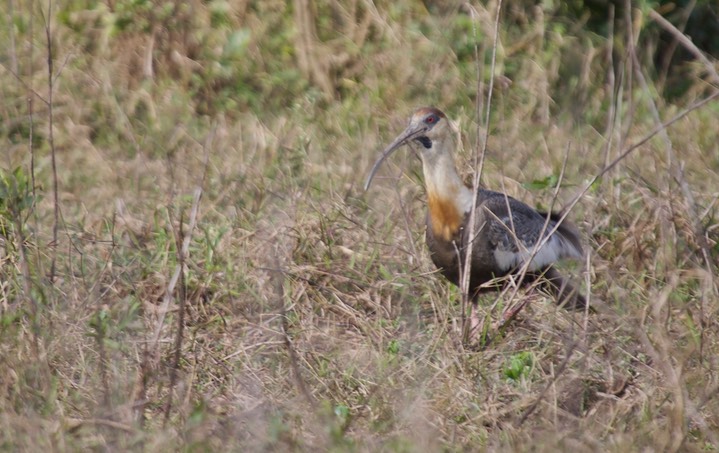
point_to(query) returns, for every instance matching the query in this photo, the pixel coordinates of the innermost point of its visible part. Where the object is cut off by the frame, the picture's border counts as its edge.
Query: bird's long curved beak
(412, 131)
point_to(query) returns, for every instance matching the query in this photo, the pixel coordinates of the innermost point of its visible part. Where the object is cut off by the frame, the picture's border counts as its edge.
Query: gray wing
(513, 229)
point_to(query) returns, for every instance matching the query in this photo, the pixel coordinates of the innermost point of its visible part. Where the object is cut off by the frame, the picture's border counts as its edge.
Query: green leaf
(549, 182)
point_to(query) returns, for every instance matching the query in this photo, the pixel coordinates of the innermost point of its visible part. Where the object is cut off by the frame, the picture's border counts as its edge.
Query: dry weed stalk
(51, 138)
(687, 43)
(479, 155)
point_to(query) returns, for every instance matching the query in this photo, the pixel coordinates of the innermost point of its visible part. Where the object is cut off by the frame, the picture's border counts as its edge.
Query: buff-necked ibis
(506, 230)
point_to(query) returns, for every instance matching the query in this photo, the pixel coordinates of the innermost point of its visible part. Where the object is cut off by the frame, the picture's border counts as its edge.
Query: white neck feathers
(441, 178)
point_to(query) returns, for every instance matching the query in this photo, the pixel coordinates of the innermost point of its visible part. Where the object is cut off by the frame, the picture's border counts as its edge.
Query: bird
(506, 230)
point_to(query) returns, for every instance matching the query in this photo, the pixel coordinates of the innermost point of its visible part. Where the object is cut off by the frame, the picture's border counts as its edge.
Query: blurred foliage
(233, 57)
(16, 194)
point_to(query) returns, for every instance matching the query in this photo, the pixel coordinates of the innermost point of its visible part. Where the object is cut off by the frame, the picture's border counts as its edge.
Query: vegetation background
(189, 261)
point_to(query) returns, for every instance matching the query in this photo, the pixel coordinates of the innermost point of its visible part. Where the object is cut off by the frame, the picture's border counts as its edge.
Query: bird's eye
(431, 119)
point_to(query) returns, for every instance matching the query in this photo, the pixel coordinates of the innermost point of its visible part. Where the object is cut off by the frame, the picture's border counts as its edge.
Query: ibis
(507, 232)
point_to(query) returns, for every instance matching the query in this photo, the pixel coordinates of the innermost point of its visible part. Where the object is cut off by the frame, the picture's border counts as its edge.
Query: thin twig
(685, 41)
(24, 84)
(176, 274)
(479, 156)
(405, 216)
(51, 141)
(182, 254)
(628, 76)
(31, 133)
(277, 279)
(659, 350)
(30, 104)
(26, 275)
(74, 424)
(13, 51)
(615, 99)
(668, 54)
(182, 295)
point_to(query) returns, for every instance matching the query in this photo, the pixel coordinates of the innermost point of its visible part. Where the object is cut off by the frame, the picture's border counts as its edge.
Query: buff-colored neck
(448, 198)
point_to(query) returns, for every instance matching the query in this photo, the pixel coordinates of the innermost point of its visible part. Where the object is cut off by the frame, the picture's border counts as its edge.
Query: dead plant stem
(479, 156)
(51, 141)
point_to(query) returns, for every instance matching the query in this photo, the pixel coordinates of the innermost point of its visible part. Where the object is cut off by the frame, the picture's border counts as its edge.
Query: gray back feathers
(514, 229)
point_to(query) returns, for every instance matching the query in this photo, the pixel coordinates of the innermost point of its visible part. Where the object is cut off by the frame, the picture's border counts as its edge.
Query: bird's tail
(566, 295)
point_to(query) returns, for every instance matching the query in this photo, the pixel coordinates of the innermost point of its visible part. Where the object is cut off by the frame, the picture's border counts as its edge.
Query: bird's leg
(513, 310)
(565, 294)
(512, 313)
(477, 331)
(473, 328)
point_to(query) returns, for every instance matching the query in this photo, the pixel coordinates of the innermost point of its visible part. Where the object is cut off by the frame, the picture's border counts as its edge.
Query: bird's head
(427, 127)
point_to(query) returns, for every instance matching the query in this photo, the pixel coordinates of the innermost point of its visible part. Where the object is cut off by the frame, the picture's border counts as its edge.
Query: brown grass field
(189, 261)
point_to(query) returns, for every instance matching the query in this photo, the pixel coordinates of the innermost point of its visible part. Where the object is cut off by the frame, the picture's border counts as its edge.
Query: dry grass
(313, 318)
